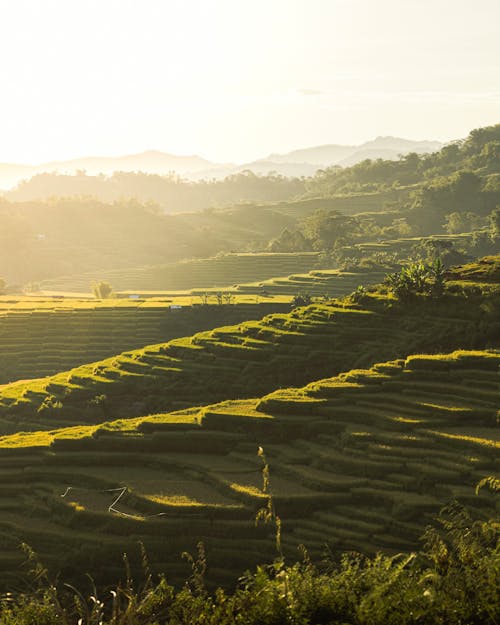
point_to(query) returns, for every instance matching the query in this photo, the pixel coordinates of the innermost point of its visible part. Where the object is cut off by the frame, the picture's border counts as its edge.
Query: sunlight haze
(234, 81)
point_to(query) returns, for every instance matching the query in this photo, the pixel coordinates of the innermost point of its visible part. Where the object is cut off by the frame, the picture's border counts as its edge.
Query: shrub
(301, 299)
(453, 580)
(417, 278)
(102, 290)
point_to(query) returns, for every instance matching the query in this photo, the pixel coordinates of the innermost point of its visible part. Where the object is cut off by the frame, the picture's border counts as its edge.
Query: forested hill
(479, 152)
(171, 192)
(454, 191)
(73, 235)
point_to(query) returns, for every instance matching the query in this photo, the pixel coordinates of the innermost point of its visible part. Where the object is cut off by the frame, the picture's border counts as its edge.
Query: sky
(234, 80)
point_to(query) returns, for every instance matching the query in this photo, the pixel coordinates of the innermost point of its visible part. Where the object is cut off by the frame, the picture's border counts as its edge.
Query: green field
(399, 416)
(69, 330)
(220, 271)
(404, 246)
(361, 461)
(252, 358)
(41, 336)
(328, 283)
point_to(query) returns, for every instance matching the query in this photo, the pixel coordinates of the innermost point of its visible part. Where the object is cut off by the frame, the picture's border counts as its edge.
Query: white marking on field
(122, 490)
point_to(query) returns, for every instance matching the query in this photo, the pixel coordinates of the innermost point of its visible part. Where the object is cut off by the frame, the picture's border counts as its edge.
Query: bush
(301, 299)
(102, 290)
(417, 279)
(453, 580)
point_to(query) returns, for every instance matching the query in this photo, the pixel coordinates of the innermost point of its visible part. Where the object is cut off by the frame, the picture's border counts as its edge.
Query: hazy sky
(233, 80)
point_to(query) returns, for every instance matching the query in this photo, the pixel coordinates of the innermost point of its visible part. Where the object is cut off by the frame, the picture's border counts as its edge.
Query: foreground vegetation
(454, 579)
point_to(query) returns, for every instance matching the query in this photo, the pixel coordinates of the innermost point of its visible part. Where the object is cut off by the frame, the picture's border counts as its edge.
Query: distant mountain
(389, 148)
(322, 156)
(302, 162)
(318, 155)
(307, 161)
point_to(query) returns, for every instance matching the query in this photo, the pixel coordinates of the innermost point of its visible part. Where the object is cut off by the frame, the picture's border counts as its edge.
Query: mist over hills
(301, 162)
(150, 161)
(331, 154)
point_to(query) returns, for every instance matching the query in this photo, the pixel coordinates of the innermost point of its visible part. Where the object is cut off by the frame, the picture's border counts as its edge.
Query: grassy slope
(363, 460)
(41, 337)
(248, 359)
(487, 270)
(246, 270)
(360, 461)
(220, 271)
(82, 235)
(69, 331)
(252, 358)
(324, 282)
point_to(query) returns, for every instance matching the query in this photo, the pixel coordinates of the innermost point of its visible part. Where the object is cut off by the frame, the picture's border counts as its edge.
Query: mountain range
(302, 162)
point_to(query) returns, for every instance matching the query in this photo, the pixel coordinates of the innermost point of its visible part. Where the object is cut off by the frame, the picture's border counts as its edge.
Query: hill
(391, 425)
(303, 162)
(453, 191)
(325, 155)
(60, 237)
(70, 331)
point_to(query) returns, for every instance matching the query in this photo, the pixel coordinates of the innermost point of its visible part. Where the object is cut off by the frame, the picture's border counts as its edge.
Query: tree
(301, 299)
(327, 228)
(462, 222)
(290, 241)
(494, 220)
(102, 290)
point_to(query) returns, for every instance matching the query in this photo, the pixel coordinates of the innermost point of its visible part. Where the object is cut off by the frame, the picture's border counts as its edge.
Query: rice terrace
(259, 386)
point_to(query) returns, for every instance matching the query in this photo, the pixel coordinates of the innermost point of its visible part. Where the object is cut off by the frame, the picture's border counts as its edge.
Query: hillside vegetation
(73, 235)
(68, 332)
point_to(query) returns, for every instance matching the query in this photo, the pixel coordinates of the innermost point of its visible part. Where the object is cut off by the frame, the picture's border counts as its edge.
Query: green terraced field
(220, 271)
(351, 204)
(404, 245)
(251, 358)
(94, 461)
(326, 282)
(41, 337)
(362, 461)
